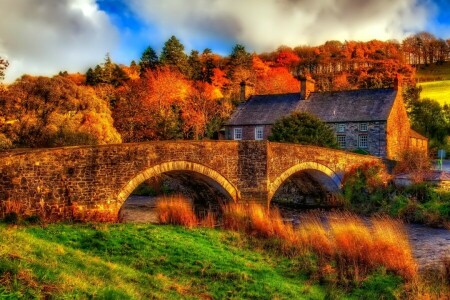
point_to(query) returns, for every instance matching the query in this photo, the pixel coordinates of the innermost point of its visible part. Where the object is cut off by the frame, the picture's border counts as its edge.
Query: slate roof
(344, 106)
(264, 109)
(415, 134)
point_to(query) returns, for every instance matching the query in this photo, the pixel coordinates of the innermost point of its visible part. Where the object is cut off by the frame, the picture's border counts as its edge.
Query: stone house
(373, 120)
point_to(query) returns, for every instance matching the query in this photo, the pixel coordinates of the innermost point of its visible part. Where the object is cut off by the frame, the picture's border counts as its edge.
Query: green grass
(435, 82)
(157, 262)
(437, 90)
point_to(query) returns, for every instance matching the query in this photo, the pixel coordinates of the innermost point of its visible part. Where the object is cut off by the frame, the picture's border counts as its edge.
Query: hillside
(435, 82)
(156, 262)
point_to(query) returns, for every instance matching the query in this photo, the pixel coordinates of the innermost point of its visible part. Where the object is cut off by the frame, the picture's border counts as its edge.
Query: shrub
(415, 162)
(176, 210)
(303, 128)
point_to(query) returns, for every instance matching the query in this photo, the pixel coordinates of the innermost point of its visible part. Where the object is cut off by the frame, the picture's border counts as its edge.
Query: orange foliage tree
(43, 112)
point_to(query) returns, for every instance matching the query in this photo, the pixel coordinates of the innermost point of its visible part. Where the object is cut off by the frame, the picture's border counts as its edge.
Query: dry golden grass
(93, 215)
(176, 210)
(209, 220)
(391, 247)
(235, 217)
(314, 237)
(348, 249)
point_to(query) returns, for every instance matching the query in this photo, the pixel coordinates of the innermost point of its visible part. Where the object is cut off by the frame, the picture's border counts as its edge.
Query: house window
(259, 133)
(362, 141)
(237, 134)
(341, 141)
(340, 127)
(363, 126)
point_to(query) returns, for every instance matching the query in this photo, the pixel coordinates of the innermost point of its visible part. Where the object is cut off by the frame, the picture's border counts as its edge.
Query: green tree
(207, 65)
(429, 118)
(240, 57)
(173, 55)
(149, 60)
(195, 66)
(303, 128)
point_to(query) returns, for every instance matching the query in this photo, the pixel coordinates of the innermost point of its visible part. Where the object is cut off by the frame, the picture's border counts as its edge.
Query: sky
(43, 37)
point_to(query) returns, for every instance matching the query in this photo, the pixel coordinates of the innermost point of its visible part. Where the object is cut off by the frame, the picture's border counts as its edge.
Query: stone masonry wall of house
(376, 136)
(101, 177)
(248, 131)
(398, 129)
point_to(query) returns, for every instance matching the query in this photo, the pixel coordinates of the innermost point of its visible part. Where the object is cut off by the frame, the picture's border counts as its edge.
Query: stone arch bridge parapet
(102, 177)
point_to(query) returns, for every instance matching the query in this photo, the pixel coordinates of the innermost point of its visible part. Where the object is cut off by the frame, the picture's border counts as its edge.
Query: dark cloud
(47, 36)
(266, 24)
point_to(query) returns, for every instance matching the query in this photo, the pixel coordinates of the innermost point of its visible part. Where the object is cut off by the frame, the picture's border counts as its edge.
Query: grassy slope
(435, 82)
(145, 261)
(437, 90)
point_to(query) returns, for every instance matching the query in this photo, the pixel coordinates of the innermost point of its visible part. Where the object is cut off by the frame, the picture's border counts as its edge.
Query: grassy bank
(162, 262)
(436, 90)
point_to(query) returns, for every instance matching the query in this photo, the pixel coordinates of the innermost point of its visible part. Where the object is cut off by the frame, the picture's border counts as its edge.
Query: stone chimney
(306, 87)
(242, 95)
(398, 82)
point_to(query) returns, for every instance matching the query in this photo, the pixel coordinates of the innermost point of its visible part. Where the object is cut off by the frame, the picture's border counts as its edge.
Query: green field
(159, 262)
(435, 82)
(436, 90)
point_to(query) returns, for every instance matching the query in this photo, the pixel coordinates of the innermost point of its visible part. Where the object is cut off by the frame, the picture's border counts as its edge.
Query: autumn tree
(173, 55)
(47, 112)
(303, 128)
(150, 109)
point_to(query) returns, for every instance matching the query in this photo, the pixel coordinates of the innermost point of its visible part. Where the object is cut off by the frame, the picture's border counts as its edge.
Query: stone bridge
(102, 177)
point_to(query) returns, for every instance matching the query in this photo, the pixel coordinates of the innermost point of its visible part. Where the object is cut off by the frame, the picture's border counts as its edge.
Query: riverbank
(138, 261)
(429, 245)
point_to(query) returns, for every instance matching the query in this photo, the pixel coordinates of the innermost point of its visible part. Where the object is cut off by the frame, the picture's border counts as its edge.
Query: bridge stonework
(102, 177)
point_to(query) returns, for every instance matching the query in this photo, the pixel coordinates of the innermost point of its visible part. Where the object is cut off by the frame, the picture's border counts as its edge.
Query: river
(429, 245)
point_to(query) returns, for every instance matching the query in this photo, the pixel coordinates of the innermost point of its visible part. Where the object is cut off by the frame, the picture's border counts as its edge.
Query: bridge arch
(220, 181)
(328, 178)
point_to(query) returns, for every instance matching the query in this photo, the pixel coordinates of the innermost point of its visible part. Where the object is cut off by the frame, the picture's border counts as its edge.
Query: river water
(429, 245)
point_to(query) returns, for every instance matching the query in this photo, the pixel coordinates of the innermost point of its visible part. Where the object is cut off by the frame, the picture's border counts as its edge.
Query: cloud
(266, 24)
(43, 37)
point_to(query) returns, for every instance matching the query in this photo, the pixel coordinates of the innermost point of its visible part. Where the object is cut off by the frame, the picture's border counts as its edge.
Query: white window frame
(363, 141)
(340, 127)
(259, 133)
(341, 144)
(363, 127)
(237, 134)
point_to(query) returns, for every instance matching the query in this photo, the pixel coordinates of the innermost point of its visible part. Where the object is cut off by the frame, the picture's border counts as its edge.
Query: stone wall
(398, 128)
(376, 136)
(102, 177)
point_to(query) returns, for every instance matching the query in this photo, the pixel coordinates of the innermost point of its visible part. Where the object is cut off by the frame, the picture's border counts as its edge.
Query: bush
(303, 128)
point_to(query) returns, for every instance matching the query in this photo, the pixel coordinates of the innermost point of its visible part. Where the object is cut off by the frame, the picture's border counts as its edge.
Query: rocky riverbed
(429, 245)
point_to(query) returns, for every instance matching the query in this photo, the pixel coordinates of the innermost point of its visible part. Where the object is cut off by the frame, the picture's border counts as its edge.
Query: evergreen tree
(208, 66)
(91, 77)
(149, 60)
(107, 70)
(240, 57)
(3, 65)
(195, 66)
(173, 55)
